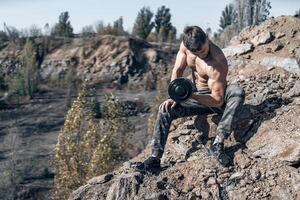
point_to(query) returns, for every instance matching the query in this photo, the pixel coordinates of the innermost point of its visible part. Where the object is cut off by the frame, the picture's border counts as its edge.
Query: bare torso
(203, 67)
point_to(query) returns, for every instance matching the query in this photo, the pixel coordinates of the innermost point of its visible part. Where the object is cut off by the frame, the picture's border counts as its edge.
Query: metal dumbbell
(180, 89)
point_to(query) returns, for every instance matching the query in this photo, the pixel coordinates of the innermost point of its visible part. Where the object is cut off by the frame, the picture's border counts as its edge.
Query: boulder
(262, 38)
(236, 50)
(289, 64)
(279, 140)
(125, 187)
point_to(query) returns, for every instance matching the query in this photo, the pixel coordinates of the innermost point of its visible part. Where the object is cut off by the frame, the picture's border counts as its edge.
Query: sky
(24, 13)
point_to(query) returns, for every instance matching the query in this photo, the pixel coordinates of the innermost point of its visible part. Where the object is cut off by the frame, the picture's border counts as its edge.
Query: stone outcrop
(264, 147)
(275, 44)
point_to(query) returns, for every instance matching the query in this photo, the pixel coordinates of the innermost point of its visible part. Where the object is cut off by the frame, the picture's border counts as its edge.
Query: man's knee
(235, 91)
(165, 113)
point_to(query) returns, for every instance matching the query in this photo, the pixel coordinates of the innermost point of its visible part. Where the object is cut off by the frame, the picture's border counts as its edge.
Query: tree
(12, 32)
(47, 30)
(63, 27)
(251, 12)
(87, 31)
(35, 31)
(87, 146)
(208, 32)
(163, 23)
(297, 14)
(30, 68)
(68, 161)
(143, 25)
(3, 37)
(172, 35)
(25, 83)
(115, 29)
(227, 17)
(118, 26)
(99, 27)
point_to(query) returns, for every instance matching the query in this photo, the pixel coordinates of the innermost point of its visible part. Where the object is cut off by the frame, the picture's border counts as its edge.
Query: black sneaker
(217, 150)
(150, 163)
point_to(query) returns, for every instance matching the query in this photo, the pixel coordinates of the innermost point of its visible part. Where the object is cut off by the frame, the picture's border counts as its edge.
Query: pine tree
(69, 159)
(143, 25)
(30, 70)
(113, 144)
(163, 23)
(88, 147)
(63, 27)
(227, 17)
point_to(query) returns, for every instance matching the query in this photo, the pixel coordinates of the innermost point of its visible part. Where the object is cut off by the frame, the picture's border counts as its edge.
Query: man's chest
(199, 66)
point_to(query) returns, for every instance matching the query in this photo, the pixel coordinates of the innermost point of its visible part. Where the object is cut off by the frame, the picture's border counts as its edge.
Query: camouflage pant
(233, 101)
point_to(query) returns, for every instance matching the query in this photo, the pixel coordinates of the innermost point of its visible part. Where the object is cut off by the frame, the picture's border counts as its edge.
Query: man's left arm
(216, 98)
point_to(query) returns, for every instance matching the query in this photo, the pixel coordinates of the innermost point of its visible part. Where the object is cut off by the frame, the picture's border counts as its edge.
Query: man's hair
(193, 38)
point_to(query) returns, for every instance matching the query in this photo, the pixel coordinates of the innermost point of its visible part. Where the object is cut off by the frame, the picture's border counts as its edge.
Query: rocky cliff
(265, 144)
(109, 61)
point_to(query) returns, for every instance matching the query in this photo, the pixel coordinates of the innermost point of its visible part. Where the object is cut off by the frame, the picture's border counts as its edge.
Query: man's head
(195, 40)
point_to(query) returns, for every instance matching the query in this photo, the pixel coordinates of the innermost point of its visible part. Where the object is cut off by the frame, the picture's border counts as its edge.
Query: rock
(282, 194)
(236, 176)
(277, 46)
(262, 38)
(255, 174)
(205, 194)
(237, 195)
(211, 181)
(242, 160)
(236, 50)
(294, 91)
(289, 64)
(279, 35)
(234, 40)
(100, 179)
(125, 187)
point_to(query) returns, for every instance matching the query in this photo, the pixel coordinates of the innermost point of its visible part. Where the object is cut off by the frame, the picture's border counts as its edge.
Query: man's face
(203, 51)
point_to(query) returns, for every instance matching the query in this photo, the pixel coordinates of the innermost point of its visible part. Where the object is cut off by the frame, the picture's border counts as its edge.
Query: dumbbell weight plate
(180, 89)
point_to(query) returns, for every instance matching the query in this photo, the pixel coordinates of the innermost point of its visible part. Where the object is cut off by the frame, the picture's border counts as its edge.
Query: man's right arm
(180, 64)
(179, 67)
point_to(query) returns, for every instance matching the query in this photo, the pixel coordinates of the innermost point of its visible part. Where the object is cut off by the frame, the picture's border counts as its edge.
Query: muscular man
(209, 68)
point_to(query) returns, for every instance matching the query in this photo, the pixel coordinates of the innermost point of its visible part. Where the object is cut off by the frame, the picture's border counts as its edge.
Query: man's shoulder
(217, 53)
(182, 48)
(218, 58)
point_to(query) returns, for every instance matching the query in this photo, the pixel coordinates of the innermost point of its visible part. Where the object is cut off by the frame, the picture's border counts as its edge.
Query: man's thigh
(191, 108)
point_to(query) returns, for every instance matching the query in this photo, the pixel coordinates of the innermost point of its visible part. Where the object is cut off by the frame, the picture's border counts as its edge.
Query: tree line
(164, 30)
(238, 15)
(154, 27)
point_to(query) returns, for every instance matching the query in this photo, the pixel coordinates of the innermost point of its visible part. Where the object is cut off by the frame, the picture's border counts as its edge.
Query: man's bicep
(217, 89)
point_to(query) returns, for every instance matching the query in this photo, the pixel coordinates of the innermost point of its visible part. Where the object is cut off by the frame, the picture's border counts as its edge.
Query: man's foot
(201, 139)
(151, 163)
(217, 150)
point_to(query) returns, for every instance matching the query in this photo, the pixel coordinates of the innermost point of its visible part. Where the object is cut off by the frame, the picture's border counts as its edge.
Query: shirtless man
(210, 69)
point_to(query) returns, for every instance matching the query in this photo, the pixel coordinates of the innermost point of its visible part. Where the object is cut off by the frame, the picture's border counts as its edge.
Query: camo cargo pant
(233, 101)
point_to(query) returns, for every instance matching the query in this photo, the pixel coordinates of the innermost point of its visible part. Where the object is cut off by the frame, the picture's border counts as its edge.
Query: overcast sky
(23, 13)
